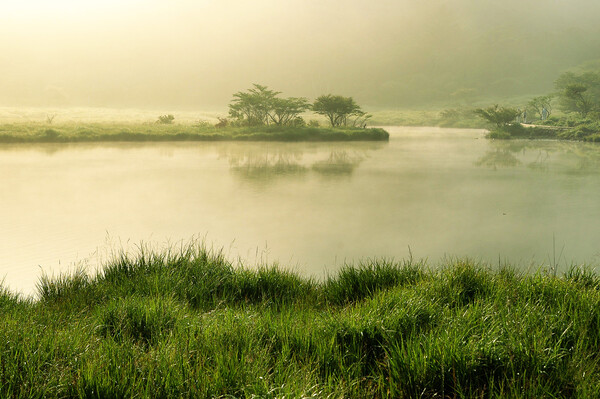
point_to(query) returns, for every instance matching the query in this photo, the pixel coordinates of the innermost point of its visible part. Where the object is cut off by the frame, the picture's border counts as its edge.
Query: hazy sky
(184, 53)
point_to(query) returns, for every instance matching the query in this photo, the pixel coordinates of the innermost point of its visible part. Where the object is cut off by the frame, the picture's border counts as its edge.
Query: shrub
(165, 119)
(223, 122)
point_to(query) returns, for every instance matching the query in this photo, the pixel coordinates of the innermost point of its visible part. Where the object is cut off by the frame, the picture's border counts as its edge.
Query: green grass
(107, 132)
(186, 323)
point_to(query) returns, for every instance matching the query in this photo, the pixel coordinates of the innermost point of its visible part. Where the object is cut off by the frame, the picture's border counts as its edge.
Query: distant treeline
(576, 96)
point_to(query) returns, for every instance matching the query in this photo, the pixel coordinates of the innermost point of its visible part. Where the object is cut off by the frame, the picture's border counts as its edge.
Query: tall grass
(186, 323)
(353, 283)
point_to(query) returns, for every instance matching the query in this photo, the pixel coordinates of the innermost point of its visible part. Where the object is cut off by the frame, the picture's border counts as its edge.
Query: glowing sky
(197, 53)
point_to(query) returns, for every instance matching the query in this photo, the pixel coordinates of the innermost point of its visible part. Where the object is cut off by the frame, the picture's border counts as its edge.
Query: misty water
(431, 193)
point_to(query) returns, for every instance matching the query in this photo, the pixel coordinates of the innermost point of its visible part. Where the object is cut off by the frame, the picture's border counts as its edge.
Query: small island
(258, 114)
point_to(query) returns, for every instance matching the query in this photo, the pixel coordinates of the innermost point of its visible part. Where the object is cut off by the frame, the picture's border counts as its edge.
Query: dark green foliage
(500, 116)
(8, 300)
(271, 286)
(353, 284)
(276, 133)
(337, 109)
(579, 92)
(576, 95)
(583, 276)
(50, 134)
(55, 289)
(463, 283)
(145, 320)
(165, 119)
(519, 131)
(253, 107)
(260, 106)
(286, 111)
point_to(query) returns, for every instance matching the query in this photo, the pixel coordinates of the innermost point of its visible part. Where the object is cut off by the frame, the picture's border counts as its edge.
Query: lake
(430, 192)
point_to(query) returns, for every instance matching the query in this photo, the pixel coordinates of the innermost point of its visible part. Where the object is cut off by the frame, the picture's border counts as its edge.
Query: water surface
(431, 192)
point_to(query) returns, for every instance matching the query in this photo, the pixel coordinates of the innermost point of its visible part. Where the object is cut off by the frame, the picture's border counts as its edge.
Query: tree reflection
(499, 157)
(259, 162)
(338, 163)
(267, 166)
(560, 157)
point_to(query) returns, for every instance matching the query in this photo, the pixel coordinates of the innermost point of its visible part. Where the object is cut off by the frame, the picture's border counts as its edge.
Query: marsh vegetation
(186, 323)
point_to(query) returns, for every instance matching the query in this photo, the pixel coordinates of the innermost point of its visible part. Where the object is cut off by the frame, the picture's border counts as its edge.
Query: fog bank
(194, 54)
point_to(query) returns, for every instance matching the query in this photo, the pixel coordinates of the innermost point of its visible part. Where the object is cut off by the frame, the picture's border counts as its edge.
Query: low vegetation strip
(186, 323)
(584, 132)
(146, 132)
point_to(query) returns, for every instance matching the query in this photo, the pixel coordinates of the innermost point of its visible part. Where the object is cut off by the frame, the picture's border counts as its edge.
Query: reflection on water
(544, 156)
(265, 164)
(498, 158)
(339, 163)
(309, 206)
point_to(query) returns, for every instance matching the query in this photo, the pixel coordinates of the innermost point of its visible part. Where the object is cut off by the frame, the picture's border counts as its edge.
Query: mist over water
(310, 206)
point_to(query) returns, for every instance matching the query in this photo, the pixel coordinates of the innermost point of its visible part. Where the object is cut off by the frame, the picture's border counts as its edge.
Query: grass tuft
(138, 319)
(56, 289)
(352, 283)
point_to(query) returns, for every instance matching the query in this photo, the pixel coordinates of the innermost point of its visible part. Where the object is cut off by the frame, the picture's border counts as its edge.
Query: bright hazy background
(195, 54)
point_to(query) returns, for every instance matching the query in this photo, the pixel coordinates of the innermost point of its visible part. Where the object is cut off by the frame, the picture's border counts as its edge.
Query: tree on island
(261, 106)
(501, 116)
(286, 111)
(338, 108)
(252, 106)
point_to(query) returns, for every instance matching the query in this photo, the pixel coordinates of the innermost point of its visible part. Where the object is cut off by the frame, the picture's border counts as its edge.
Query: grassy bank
(584, 132)
(106, 132)
(187, 324)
